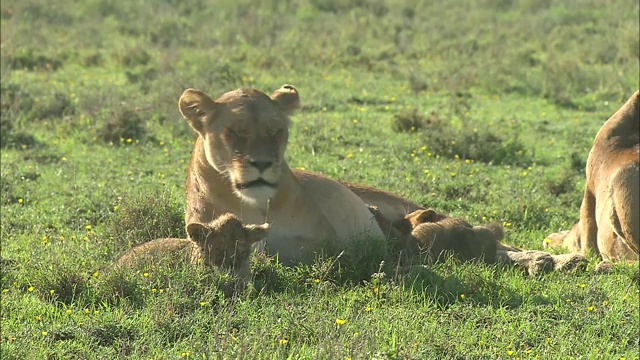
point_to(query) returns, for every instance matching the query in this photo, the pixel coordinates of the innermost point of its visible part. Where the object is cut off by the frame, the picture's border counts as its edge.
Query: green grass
(481, 109)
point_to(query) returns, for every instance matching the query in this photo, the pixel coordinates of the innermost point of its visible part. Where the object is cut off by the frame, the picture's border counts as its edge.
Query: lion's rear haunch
(609, 221)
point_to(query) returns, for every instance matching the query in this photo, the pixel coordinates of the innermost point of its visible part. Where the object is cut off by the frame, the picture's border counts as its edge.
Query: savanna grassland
(481, 109)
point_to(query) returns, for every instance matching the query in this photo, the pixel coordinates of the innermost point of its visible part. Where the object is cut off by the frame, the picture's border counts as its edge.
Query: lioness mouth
(255, 183)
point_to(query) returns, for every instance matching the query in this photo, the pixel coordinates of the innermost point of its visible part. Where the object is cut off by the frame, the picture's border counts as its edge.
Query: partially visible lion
(224, 243)
(609, 222)
(444, 236)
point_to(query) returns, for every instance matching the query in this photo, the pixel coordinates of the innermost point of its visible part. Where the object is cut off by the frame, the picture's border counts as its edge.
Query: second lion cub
(225, 242)
(441, 235)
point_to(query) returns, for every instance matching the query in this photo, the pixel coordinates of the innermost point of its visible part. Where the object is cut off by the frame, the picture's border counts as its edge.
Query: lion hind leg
(625, 212)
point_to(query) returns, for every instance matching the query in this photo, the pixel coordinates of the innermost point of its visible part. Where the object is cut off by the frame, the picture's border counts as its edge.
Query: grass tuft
(145, 216)
(124, 127)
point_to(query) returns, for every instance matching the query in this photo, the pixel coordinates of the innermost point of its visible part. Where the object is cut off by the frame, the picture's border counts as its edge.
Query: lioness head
(226, 242)
(245, 134)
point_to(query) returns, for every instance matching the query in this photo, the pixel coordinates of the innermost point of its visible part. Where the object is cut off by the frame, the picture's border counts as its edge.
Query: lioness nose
(260, 165)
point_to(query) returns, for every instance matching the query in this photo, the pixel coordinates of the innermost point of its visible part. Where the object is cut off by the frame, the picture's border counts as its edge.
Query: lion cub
(440, 235)
(225, 242)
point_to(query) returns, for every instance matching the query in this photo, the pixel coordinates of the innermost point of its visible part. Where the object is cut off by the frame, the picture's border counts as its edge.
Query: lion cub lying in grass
(440, 236)
(443, 236)
(225, 242)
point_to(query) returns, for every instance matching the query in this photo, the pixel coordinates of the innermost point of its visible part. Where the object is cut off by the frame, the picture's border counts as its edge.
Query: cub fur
(609, 221)
(224, 242)
(441, 235)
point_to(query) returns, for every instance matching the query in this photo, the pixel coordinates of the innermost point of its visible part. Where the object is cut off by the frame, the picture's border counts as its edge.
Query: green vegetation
(482, 109)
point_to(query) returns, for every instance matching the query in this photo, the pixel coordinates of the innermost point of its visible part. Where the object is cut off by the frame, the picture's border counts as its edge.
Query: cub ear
(195, 105)
(287, 97)
(198, 232)
(428, 215)
(256, 233)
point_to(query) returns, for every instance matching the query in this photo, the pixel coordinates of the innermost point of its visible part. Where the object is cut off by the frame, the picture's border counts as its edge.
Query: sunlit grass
(488, 119)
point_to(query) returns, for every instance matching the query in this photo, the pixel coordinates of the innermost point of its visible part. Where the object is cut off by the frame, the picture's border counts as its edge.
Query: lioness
(237, 166)
(224, 242)
(609, 221)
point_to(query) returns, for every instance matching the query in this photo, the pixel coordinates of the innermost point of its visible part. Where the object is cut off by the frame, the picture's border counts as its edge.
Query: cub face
(245, 134)
(227, 243)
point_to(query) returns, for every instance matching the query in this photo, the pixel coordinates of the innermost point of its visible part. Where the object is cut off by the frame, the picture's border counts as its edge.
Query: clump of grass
(6, 128)
(562, 183)
(142, 217)
(377, 7)
(57, 105)
(478, 144)
(124, 127)
(270, 276)
(10, 138)
(117, 287)
(112, 333)
(131, 57)
(412, 121)
(64, 286)
(578, 162)
(27, 58)
(363, 257)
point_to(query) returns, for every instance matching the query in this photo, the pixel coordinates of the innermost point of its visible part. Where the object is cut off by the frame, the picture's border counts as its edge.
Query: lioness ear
(256, 233)
(197, 232)
(287, 97)
(194, 106)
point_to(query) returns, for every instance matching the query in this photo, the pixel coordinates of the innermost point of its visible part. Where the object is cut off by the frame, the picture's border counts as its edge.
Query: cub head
(245, 134)
(413, 219)
(226, 242)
